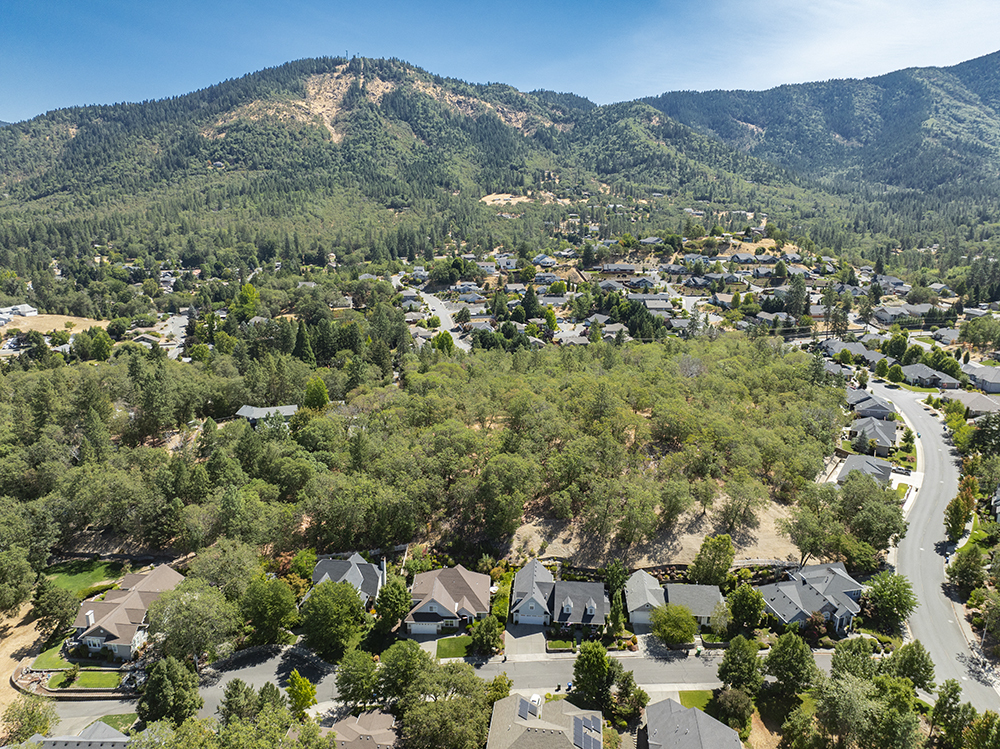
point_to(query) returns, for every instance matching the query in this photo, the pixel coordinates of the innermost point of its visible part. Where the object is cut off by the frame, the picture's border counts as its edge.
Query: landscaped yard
(453, 647)
(81, 574)
(561, 644)
(917, 389)
(87, 680)
(698, 698)
(50, 658)
(977, 536)
(119, 722)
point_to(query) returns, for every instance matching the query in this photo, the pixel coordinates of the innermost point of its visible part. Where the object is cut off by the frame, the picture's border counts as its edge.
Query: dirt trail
(19, 638)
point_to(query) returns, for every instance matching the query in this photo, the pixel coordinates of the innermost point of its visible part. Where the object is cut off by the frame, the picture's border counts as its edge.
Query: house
(976, 404)
(520, 723)
(743, 258)
(651, 241)
(254, 415)
(670, 725)
(834, 346)
(872, 405)
(643, 593)
(640, 283)
(367, 578)
(607, 285)
(722, 300)
(866, 464)
(947, 336)
(370, 730)
(507, 264)
(836, 370)
(618, 269)
(449, 597)
(700, 600)
(697, 282)
(536, 598)
(924, 376)
(823, 588)
(98, 735)
(883, 432)
(983, 377)
(118, 622)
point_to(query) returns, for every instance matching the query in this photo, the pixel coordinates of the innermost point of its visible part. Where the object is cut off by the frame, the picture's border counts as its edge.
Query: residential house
(700, 600)
(118, 622)
(976, 404)
(546, 278)
(618, 269)
(670, 725)
(254, 415)
(642, 282)
(370, 730)
(743, 258)
(608, 285)
(643, 593)
(983, 377)
(507, 264)
(449, 597)
(537, 598)
(697, 282)
(823, 588)
(837, 370)
(651, 241)
(946, 336)
(520, 723)
(878, 469)
(870, 404)
(924, 376)
(365, 577)
(98, 735)
(722, 300)
(833, 346)
(883, 432)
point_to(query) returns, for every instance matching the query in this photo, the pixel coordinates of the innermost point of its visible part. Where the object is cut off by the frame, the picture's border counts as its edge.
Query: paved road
(437, 307)
(921, 554)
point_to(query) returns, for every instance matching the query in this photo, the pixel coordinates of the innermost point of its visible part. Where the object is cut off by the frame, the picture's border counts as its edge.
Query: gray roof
(975, 402)
(700, 600)
(826, 588)
(518, 723)
(97, 735)
(254, 413)
(642, 589)
(535, 581)
(883, 432)
(367, 578)
(670, 724)
(879, 470)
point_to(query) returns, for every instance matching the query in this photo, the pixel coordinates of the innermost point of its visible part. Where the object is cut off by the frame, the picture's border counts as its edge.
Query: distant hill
(920, 128)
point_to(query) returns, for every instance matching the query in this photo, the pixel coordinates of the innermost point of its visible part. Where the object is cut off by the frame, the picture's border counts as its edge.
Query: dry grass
(48, 323)
(19, 638)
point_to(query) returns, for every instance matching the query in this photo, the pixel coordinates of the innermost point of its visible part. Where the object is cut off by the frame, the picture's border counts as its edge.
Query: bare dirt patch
(760, 736)
(19, 639)
(568, 540)
(46, 323)
(503, 198)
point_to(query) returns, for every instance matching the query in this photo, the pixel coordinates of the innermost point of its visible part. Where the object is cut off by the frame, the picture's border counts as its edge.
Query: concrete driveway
(524, 640)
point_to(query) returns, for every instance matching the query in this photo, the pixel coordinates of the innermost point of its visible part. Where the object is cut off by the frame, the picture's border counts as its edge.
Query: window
(531, 606)
(432, 607)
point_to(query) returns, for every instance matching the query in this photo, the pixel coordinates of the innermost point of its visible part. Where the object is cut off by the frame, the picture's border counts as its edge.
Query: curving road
(921, 554)
(437, 307)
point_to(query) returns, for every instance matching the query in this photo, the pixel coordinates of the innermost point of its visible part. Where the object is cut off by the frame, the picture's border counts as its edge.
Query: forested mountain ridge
(919, 128)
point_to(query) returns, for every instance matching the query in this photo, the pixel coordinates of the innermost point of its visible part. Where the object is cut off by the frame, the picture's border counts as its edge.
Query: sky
(56, 53)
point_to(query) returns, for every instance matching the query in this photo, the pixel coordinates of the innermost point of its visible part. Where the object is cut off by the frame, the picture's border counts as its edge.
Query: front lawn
(561, 644)
(977, 536)
(81, 574)
(901, 491)
(87, 680)
(917, 388)
(121, 722)
(699, 698)
(454, 647)
(51, 658)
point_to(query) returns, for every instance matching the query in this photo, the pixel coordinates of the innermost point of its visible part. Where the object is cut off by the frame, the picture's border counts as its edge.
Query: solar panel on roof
(522, 709)
(578, 733)
(588, 741)
(595, 723)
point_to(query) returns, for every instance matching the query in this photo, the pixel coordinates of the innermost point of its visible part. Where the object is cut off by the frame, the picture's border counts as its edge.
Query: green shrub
(94, 590)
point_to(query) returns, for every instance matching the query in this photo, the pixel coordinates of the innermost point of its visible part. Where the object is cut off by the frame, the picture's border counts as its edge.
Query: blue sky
(55, 53)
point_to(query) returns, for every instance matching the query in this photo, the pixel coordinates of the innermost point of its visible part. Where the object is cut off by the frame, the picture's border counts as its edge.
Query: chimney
(90, 618)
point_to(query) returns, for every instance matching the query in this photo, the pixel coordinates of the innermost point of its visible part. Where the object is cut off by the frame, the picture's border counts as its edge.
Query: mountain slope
(920, 128)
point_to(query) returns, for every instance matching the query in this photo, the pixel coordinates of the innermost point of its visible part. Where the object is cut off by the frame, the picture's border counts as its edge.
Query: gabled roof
(819, 587)
(641, 590)
(878, 469)
(518, 723)
(459, 592)
(883, 432)
(700, 600)
(253, 413)
(532, 581)
(97, 735)
(117, 618)
(367, 578)
(670, 725)
(370, 730)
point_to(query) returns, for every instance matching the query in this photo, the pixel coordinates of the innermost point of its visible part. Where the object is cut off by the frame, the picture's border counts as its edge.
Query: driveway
(524, 640)
(921, 555)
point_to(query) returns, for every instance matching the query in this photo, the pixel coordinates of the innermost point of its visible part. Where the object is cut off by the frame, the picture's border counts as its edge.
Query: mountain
(920, 128)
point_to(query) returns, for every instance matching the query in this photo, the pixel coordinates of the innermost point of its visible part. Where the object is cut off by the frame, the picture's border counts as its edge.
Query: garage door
(423, 628)
(522, 619)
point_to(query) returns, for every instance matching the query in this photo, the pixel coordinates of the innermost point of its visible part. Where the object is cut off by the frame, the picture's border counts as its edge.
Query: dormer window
(432, 607)
(590, 611)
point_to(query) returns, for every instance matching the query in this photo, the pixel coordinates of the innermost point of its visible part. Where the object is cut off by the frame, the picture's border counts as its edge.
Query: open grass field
(46, 323)
(80, 574)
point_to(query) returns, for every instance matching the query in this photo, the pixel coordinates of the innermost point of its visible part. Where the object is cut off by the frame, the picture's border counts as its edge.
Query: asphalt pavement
(438, 307)
(922, 553)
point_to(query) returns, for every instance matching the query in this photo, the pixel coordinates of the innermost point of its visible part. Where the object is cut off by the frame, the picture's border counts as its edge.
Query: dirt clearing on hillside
(678, 546)
(19, 638)
(503, 198)
(47, 323)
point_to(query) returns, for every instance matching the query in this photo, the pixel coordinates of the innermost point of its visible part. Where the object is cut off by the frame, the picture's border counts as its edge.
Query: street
(921, 554)
(438, 307)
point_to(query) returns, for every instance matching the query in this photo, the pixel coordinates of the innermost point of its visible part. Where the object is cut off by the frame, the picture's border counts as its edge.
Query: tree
(54, 607)
(913, 662)
(316, 396)
(711, 564)
(401, 664)
(229, 565)
(447, 709)
(735, 708)
(951, 715)
(792, 665)
(956, 515)
(392, 604)
(357, 677)
(269, 605)
(191, 619)
(862, 377)
(882, 368)
(895, 374)
(444, 343)
(740, 667)
(16, 579)
(966, 571)
(487, 637)
(889, 599)
(303, 347)
(244, 305)
(331, 615)
(854, 656)
(301, 695)
(844, 707)
(239, 702)
(673, 624)
(171, 693)
(983, 732)
(499, 688)
(463, 316)
(591, 673)
(746, 604)
(27, 715)
(860, 443)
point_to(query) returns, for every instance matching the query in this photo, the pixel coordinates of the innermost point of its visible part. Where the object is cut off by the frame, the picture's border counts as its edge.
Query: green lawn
(977, 536)
(564, 644)
(453, 647)
(50, 658)
(121, 722)
(698, 698)
(901, 491)
(81, 574)
(88, 680)
(916, 388)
